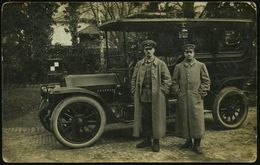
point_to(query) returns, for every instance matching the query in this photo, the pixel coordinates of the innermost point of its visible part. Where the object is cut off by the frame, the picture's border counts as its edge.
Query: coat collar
(155, 62)
(189, 63)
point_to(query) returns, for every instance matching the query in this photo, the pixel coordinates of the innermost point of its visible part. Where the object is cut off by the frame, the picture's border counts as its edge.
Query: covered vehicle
(78, 109)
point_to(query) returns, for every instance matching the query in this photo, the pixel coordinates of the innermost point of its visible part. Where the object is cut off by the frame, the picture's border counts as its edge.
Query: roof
(163, 24)
(91, 29)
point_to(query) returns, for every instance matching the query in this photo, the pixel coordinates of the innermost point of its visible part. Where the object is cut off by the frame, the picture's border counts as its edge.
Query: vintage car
(79, 108)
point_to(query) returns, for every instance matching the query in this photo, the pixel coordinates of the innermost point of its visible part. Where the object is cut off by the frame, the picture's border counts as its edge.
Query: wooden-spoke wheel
(78, 121)
(230, 108)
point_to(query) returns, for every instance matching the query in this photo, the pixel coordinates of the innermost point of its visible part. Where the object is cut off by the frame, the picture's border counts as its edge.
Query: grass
(19, 101)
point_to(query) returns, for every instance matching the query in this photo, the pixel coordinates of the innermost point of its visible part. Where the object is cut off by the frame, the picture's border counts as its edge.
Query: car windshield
(168, 45)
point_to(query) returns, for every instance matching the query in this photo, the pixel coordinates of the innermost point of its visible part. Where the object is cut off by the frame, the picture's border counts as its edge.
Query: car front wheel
(78, 121)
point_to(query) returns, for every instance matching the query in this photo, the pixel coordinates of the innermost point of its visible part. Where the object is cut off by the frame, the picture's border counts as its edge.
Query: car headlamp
(44, 89)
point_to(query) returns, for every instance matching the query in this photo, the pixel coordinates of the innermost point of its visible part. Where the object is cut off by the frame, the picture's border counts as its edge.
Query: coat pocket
(203, 94)
(163, 89)
(181, 94)
(196, 97)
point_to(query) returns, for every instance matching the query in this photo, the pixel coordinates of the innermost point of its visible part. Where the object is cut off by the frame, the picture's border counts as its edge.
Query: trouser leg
(197, 142)
(156, 145)
(197, 149)
(145, 143)
(188, 143)
(146, 126)
(147, 120)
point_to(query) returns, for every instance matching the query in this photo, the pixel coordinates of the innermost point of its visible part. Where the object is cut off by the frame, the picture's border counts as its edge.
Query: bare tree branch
(113, 10)
(94, 12)
(131, 7)
(107, 8)
(178, 4)
(104, 14)
(118, 8)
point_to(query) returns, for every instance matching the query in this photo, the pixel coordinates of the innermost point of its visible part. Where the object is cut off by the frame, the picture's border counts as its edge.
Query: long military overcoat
(191, 82)
(161, 82)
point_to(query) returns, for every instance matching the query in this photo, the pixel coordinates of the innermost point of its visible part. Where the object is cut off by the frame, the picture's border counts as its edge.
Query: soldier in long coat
(151, 80)
(191, 83)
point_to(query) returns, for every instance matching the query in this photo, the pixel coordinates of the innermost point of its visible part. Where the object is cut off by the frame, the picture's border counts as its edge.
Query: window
(229, 40)
(231, 37)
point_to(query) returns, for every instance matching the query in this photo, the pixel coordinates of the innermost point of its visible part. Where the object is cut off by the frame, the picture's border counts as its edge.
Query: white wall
(60, 36)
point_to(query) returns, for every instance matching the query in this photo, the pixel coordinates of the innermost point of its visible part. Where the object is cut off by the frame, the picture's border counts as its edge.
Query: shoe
(144, 143)
(197, 150)
(187, 144)
(156, 145)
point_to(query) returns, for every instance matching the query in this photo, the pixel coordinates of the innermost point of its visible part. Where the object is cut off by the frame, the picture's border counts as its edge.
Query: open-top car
(78, 109)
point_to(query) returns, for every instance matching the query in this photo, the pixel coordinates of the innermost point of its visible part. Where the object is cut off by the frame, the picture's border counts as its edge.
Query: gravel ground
(24, 140)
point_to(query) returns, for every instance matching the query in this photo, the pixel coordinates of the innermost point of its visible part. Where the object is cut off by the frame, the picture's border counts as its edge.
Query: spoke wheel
(78, 121)
(230, 108)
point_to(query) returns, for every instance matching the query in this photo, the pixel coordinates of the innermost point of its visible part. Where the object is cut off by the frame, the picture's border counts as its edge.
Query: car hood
(86, 80)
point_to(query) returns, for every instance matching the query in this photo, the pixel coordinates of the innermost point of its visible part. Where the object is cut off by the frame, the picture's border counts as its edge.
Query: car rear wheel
(230, 108)
(78, 121)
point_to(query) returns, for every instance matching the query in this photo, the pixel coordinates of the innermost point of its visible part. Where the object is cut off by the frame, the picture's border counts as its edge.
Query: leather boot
(197, 149)
(188, 144)
(156, 145)
(145, 143)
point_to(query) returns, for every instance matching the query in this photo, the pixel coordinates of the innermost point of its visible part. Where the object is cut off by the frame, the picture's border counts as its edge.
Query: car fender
(66, 90)
(70, 91)
(233, 81)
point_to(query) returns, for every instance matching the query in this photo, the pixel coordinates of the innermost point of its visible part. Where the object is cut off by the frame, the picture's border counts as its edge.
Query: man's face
(189, 54)
(149, 52)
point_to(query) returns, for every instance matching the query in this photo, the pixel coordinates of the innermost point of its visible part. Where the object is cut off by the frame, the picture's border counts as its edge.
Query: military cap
(189, 46)
(149, 44)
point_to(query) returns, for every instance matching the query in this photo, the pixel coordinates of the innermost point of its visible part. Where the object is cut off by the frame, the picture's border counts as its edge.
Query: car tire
(78, 121)
(230, 108)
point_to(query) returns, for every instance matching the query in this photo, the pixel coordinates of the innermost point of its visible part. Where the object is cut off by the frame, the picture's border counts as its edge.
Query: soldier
(190, 82)
(150, 82)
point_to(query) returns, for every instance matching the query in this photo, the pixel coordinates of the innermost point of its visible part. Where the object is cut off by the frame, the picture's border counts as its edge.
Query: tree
(38, 34)
(106, 11)
(12, 40)
(113, 10)
(188, 9)
(27, 35)
(229, 10)
(72, 19)
(152, 7)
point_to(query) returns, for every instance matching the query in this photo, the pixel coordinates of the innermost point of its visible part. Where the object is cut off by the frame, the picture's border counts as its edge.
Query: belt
(147, 86)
